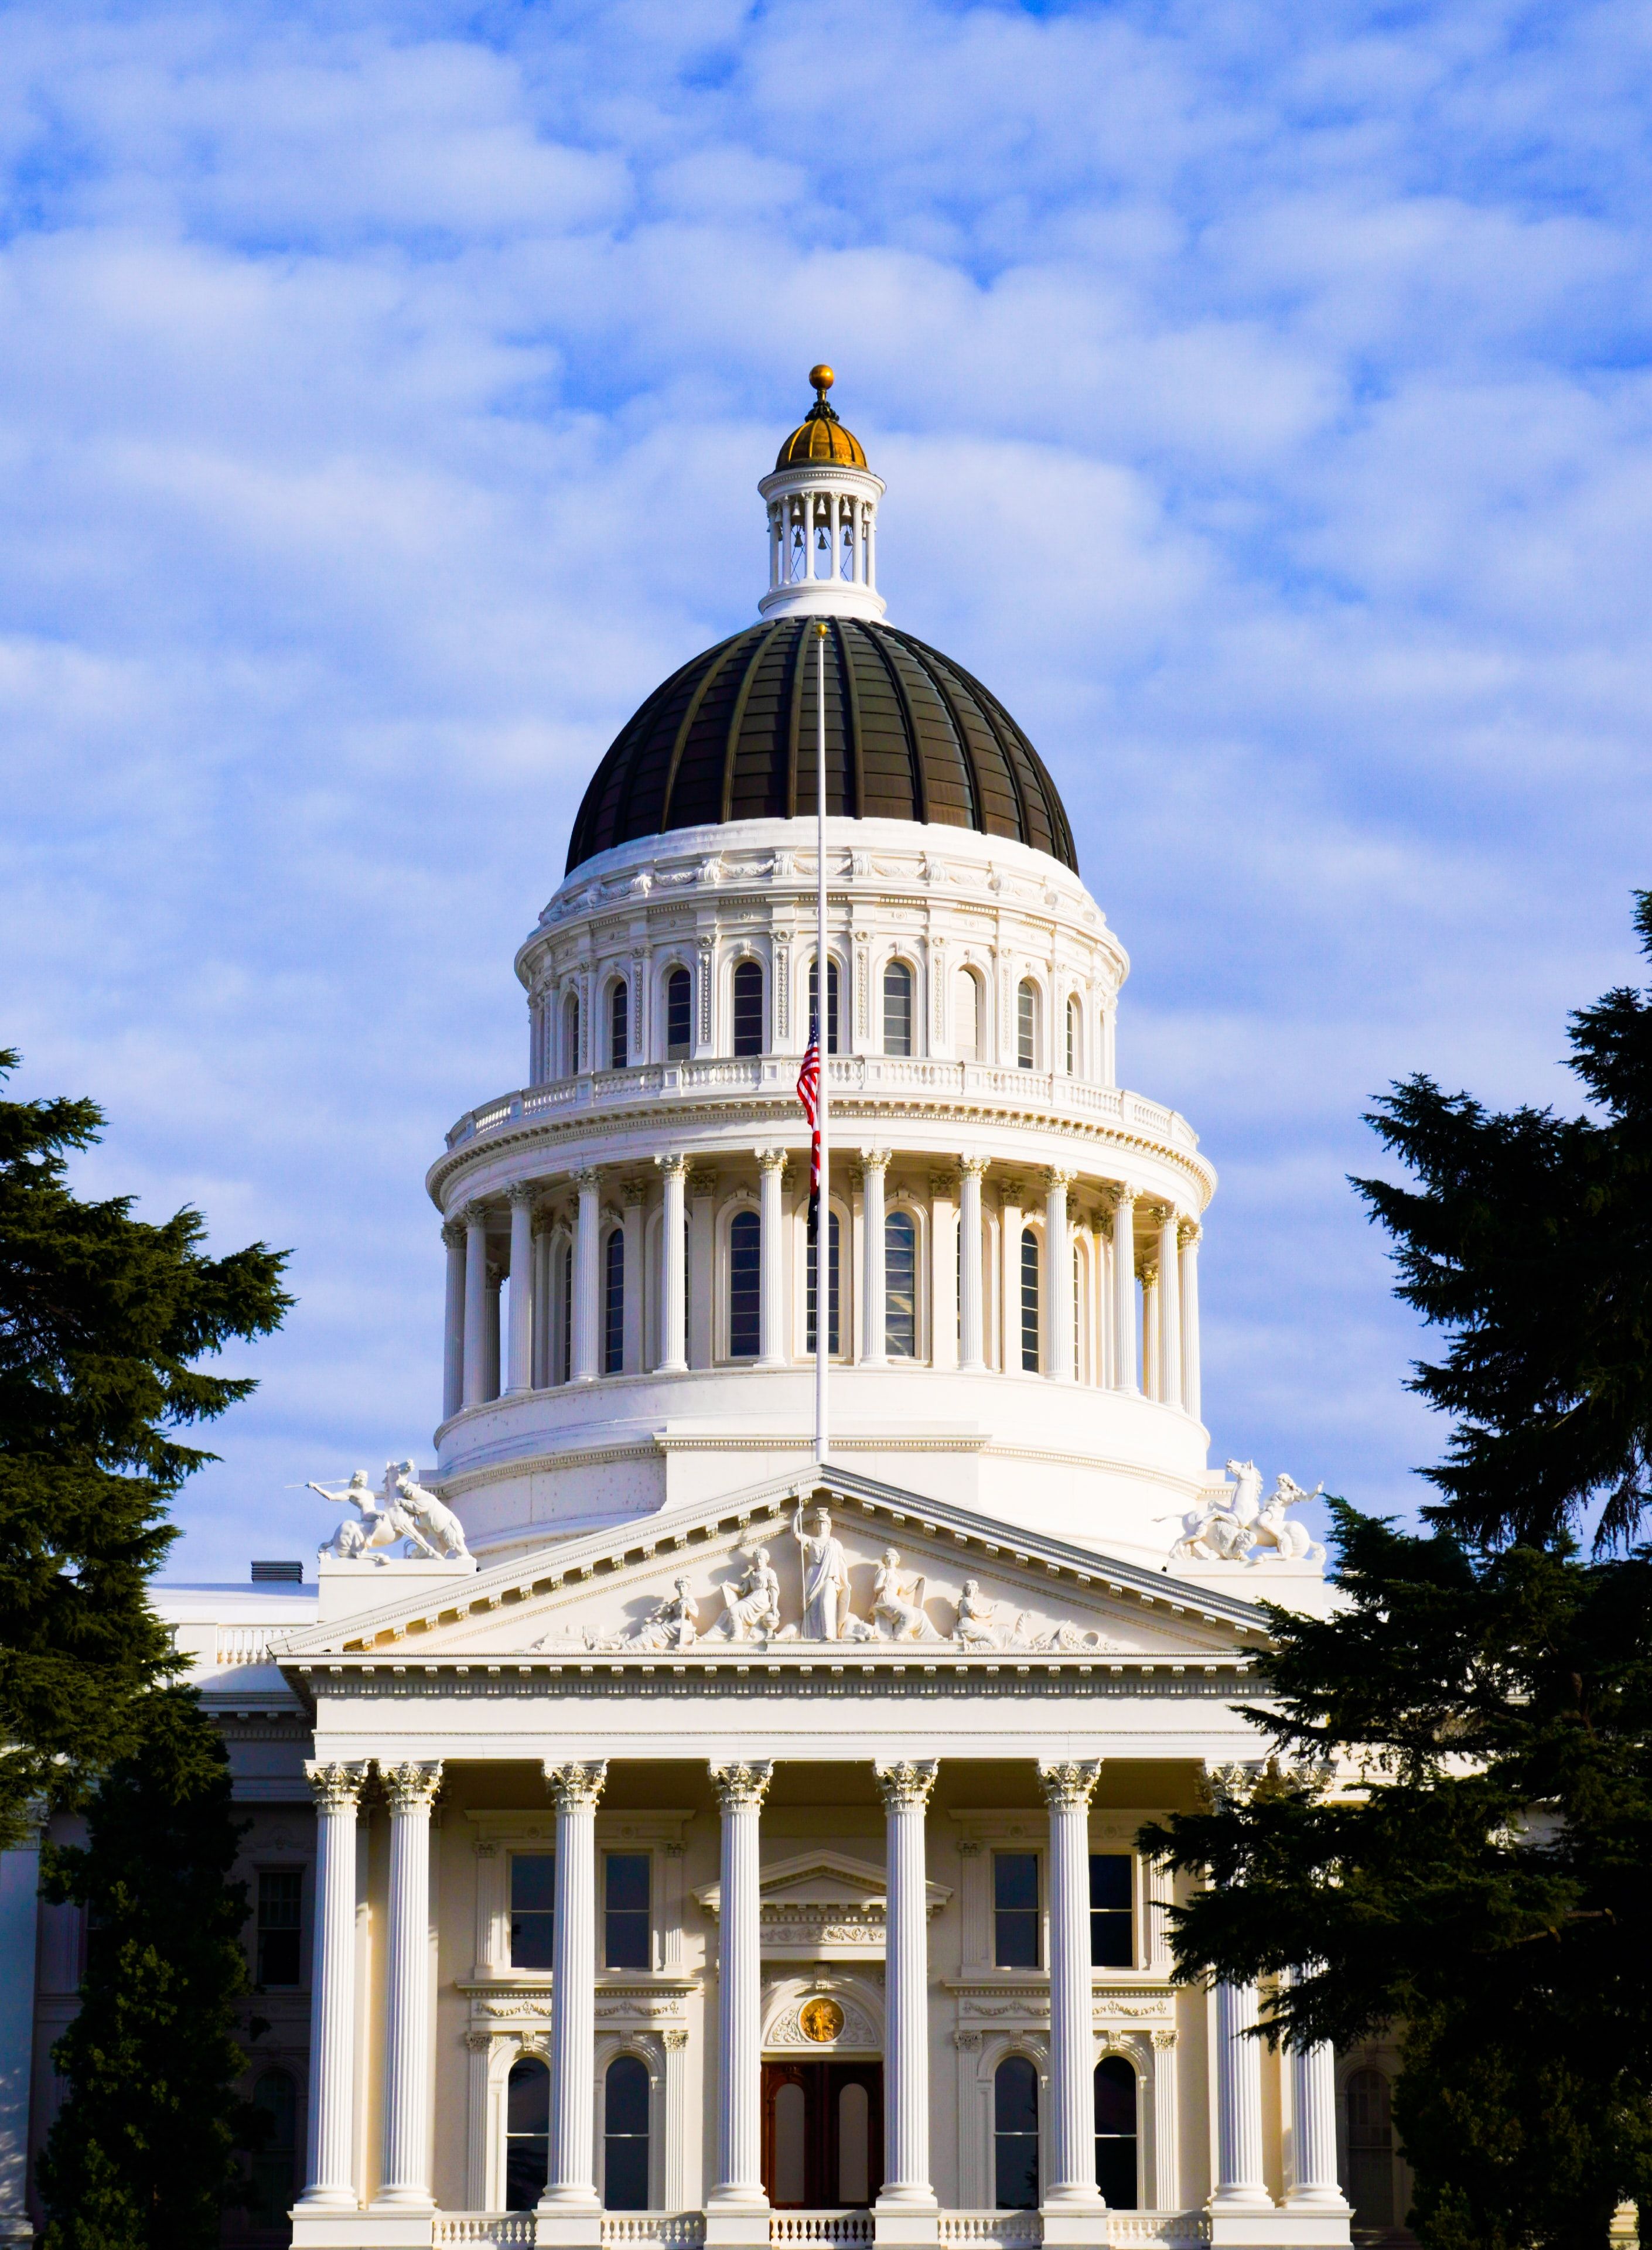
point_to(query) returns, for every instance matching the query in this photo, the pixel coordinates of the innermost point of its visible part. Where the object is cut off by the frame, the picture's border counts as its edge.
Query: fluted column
(1009, 1227)
(1313, 2185)
(972, 1346)
(1070, 2175)
(1125, 1374)
(519, 1365)
(739, 2182)
(906, 1786)
(1170, 1310)
(330, 2183)
(1239, 2184)
(1149, 1329)
(19, 1927)
(1058, 1276)
(587, 1306)
(454, 1323)
(944, 1323)
(410, 1789)
(491, 1332)
(872, 1328)
(475, 1304)
(1188, 1239)
(632, 1201)
(674, 1258)
(771, 1293)
(570, 2186)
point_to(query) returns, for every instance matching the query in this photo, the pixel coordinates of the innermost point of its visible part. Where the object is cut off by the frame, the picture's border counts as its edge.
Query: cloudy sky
(1262, 393)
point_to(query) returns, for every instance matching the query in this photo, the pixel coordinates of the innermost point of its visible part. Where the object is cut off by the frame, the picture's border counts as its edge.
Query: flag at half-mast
(809, 1095)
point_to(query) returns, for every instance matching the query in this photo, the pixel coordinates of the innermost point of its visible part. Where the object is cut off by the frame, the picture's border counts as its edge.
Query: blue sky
(1262, 393)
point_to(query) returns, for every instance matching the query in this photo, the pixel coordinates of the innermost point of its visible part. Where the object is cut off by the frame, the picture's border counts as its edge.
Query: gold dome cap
(820, 438)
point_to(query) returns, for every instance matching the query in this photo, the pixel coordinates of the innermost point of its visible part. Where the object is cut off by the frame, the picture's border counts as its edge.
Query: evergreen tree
(103, 1318)
(142, 2155)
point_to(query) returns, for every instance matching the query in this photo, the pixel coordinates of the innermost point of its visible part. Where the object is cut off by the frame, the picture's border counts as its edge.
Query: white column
(631, 1342)
(1170, 1310)
(1009, 1228)
(521, 1366)
(876, 1164)
(491, 1332)
(19, 1930)
(676, 2044)
(672, 1258)
(410, 1789)
(703, 1266)
(1125, 1377)
(971, 1355)
(330, 2183)
(475, 1304)
(944, 1271)
(770, 1291)
(1188, 1238)
(1167, 2171)
(570, 2184)
(454, 1323)
(1151, 1370)
(587, 1306)
(1240, 2183)
(1314, 2184)
(739, 2096)
(872, 549)
(1058, 1276)
(906, 1787)
(1070, 2173)
(836, 571)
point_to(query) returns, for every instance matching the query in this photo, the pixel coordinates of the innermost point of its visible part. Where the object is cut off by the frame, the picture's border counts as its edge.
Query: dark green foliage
(102, 1318)
(142, 2155)
(1530, 1237)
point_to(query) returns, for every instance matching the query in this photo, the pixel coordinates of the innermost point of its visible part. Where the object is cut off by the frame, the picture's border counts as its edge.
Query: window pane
(748, 1009)
(855, 2147)
(527, 2099)
(613, 1306)
(897, 1009)
(1112, 1927)
(1015, 2123)
(745, 1266)
(527, 2135)
(625, 2135)
(1029, 1300)
(790, 2146)
(1072, 1037)
(279, 1903)
(1025, 1004)
(1015, 1910)
(1370, 2184)
(533, 1899)
(274, 2181)
(679, 1015)
(1116, 2132)
(900, 1285)
(567, 1311)
(832, 1000)
(571, 1035)
(832, 1341)
(619, 1028)
(969, 1022)
(628, 1935)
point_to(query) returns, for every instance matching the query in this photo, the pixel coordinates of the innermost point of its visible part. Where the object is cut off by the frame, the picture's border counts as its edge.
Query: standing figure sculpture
(826, 1579)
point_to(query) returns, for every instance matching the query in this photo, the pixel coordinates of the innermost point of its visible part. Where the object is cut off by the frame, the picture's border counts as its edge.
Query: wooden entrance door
(822, 2135)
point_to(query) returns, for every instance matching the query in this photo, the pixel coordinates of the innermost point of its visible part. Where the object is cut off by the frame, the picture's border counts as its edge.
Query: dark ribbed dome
(909, 736)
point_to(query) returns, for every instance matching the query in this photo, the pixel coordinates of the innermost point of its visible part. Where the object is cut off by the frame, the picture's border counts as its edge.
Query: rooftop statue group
(403, 1514)
(1242, 1527)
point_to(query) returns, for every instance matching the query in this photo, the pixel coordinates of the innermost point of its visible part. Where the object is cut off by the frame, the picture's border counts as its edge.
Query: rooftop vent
(278, 1574)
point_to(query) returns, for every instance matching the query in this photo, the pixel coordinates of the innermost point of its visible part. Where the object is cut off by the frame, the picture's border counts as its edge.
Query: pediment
(822, 1903)
(693, 1584)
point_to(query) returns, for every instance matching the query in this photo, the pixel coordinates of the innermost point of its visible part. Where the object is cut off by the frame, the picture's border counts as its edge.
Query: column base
(1316, 2198)
(404, 2198)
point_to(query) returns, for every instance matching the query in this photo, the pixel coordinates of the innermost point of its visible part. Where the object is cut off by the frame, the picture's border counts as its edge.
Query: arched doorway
(822, 2135)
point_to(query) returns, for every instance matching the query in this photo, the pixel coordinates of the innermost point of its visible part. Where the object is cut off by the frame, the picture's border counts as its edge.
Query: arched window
(571, 1035)
(1075, 1058)
(901, 1284)
(526, 2134)
(1015, 2134)
(274, 2183)
(748, 1008)
(1027, 1024)
(1370, 2185)
(967, 1038)
(679, 1015)
(625, 2135)
(745, 1284)
(897, 1009)
(1029, 1300)
(618, 1025)
(613, 1303)
(1116, 2132)
(832, 1000)
(833, 1291)
(567, 1311)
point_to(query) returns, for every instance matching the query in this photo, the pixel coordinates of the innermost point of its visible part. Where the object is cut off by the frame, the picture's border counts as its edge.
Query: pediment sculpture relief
(1242, 1527)
(403, 1520)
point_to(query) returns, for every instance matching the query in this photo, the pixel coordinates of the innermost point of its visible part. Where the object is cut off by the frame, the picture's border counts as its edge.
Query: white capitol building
(657, 1837)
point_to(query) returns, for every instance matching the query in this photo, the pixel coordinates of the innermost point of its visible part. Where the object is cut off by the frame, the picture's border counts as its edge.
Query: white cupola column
(1239, 2182)
(587, 1305)
(520, 1373)
(1170, 1309)
(475, 1304)
(971, 1347)
(1058, 1276)
(1188, 1239)
(873, 1327)
(330, 2185)
(453, 1321)
(1125, 1362)
(739, 2187)
(570, 2198)
(1070, 2173)
(411, 1789)
(19, 1930)
(674, 1258)
(771, 1350)
(907, 2186)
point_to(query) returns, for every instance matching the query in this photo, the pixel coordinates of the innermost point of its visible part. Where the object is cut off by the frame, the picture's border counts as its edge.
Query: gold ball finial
(822, 378)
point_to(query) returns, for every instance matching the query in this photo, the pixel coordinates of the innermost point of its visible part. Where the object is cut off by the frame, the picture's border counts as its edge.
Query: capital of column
(412, 1786)
(633, 1194)
(1188, 1231)
(675, 1167)
(974, 1167)
(944, 1184)
(575, 1787)
(544, 1219)
(875, 1160)
(452, 1233)
(1057, 1176)
(335, 1787)
(588, 1179)
(771, 1160)
(741, 1788)
(1124, 1195)
(473, 1214)
(521, 1192)
(1069, 1783)
(1010, 1192)
(702, 1184)
(906, 1781)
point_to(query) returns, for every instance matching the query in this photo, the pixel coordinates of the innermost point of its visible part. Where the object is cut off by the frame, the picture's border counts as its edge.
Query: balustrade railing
(468, 2230)
(820, 2226)
(669, 2230)
(247, 1644)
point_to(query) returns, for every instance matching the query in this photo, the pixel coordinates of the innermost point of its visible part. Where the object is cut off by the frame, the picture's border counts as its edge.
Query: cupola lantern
(822, 501)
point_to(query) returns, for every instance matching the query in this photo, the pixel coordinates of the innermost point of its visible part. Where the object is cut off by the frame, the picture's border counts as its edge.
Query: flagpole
(822, 987)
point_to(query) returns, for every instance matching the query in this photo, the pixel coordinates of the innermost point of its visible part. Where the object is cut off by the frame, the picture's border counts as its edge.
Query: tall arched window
(1015, 2134)
(967, 1032)
(1116, 2132)
(833, 1291)
(613, 1303)
(1370, 2185)
(618, 1025)
(526, 2134)
(567, 1311)
(901, 1284)
(274, 2183)
(745, 1284)
(832, 1000)
(748, 1008)
(571, 1035)
(1075, 1058)
(897, 1009)
(1029, 1300)
(625, 2135)
(1027, 1024)
(679, 1015)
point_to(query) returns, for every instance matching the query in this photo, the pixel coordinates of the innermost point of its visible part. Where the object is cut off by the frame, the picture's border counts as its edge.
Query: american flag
(809, 1095)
